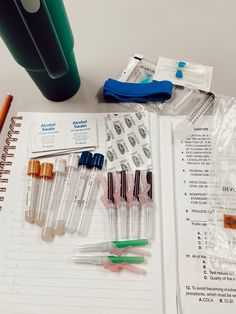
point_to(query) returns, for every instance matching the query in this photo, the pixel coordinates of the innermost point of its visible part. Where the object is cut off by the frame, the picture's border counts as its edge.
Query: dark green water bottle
(39, 37)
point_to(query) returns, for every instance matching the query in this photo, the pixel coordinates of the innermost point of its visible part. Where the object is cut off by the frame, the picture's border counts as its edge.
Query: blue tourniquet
(115, 91)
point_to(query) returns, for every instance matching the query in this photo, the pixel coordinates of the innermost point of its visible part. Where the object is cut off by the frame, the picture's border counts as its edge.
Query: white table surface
(108, 32)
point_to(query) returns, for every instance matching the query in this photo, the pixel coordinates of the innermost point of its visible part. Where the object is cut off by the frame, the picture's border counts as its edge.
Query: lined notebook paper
(39, 278)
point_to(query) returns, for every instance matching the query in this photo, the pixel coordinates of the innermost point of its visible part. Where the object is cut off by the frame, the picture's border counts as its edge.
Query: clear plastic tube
(134, 211)
(110, 206)
(69, 184)
(43, 193)
(112, 221)
(32, 189)
(88, 201)
(74, 210)
(123, 207)
(148, 219)
(134, 220)
(54, 199)
(147, 205)
(123, 219)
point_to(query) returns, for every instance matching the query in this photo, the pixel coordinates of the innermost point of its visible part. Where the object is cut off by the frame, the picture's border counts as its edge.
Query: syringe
(186, 128)
(202, 107)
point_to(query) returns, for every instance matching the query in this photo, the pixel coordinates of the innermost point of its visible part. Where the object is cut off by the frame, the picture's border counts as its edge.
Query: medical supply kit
(61, 195)
(112, 196)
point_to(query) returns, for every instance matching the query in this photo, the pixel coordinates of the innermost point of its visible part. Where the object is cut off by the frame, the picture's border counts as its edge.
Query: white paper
(201, 290)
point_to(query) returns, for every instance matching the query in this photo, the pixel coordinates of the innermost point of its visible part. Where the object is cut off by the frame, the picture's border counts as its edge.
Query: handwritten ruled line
(19, 312)
(81, 306)
(55, 269)
(93, 279)
(82, 287)
(77, 295)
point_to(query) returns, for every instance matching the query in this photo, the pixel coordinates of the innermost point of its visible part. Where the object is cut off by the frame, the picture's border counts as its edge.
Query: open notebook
(36, 277)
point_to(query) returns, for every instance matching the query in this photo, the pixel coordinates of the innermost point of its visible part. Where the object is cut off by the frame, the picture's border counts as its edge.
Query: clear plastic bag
(222, 187)
(201, 107)
(182, 101)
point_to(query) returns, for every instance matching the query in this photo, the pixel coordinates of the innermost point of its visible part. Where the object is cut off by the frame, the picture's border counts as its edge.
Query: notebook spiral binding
(8, 149)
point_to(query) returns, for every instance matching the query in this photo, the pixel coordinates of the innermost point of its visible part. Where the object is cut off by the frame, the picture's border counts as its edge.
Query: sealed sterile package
(222, 187)
(128, 142)
(140, 70)
(184, 73)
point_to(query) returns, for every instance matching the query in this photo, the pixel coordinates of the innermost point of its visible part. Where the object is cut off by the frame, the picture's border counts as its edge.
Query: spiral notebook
(37, 277)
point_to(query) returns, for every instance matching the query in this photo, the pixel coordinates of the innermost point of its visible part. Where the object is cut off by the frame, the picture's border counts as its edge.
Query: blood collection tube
(54, 199)
(69, 184)
(44, 192)
(135, 208)
(32, 189)
(90, 194)
(76, 197)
